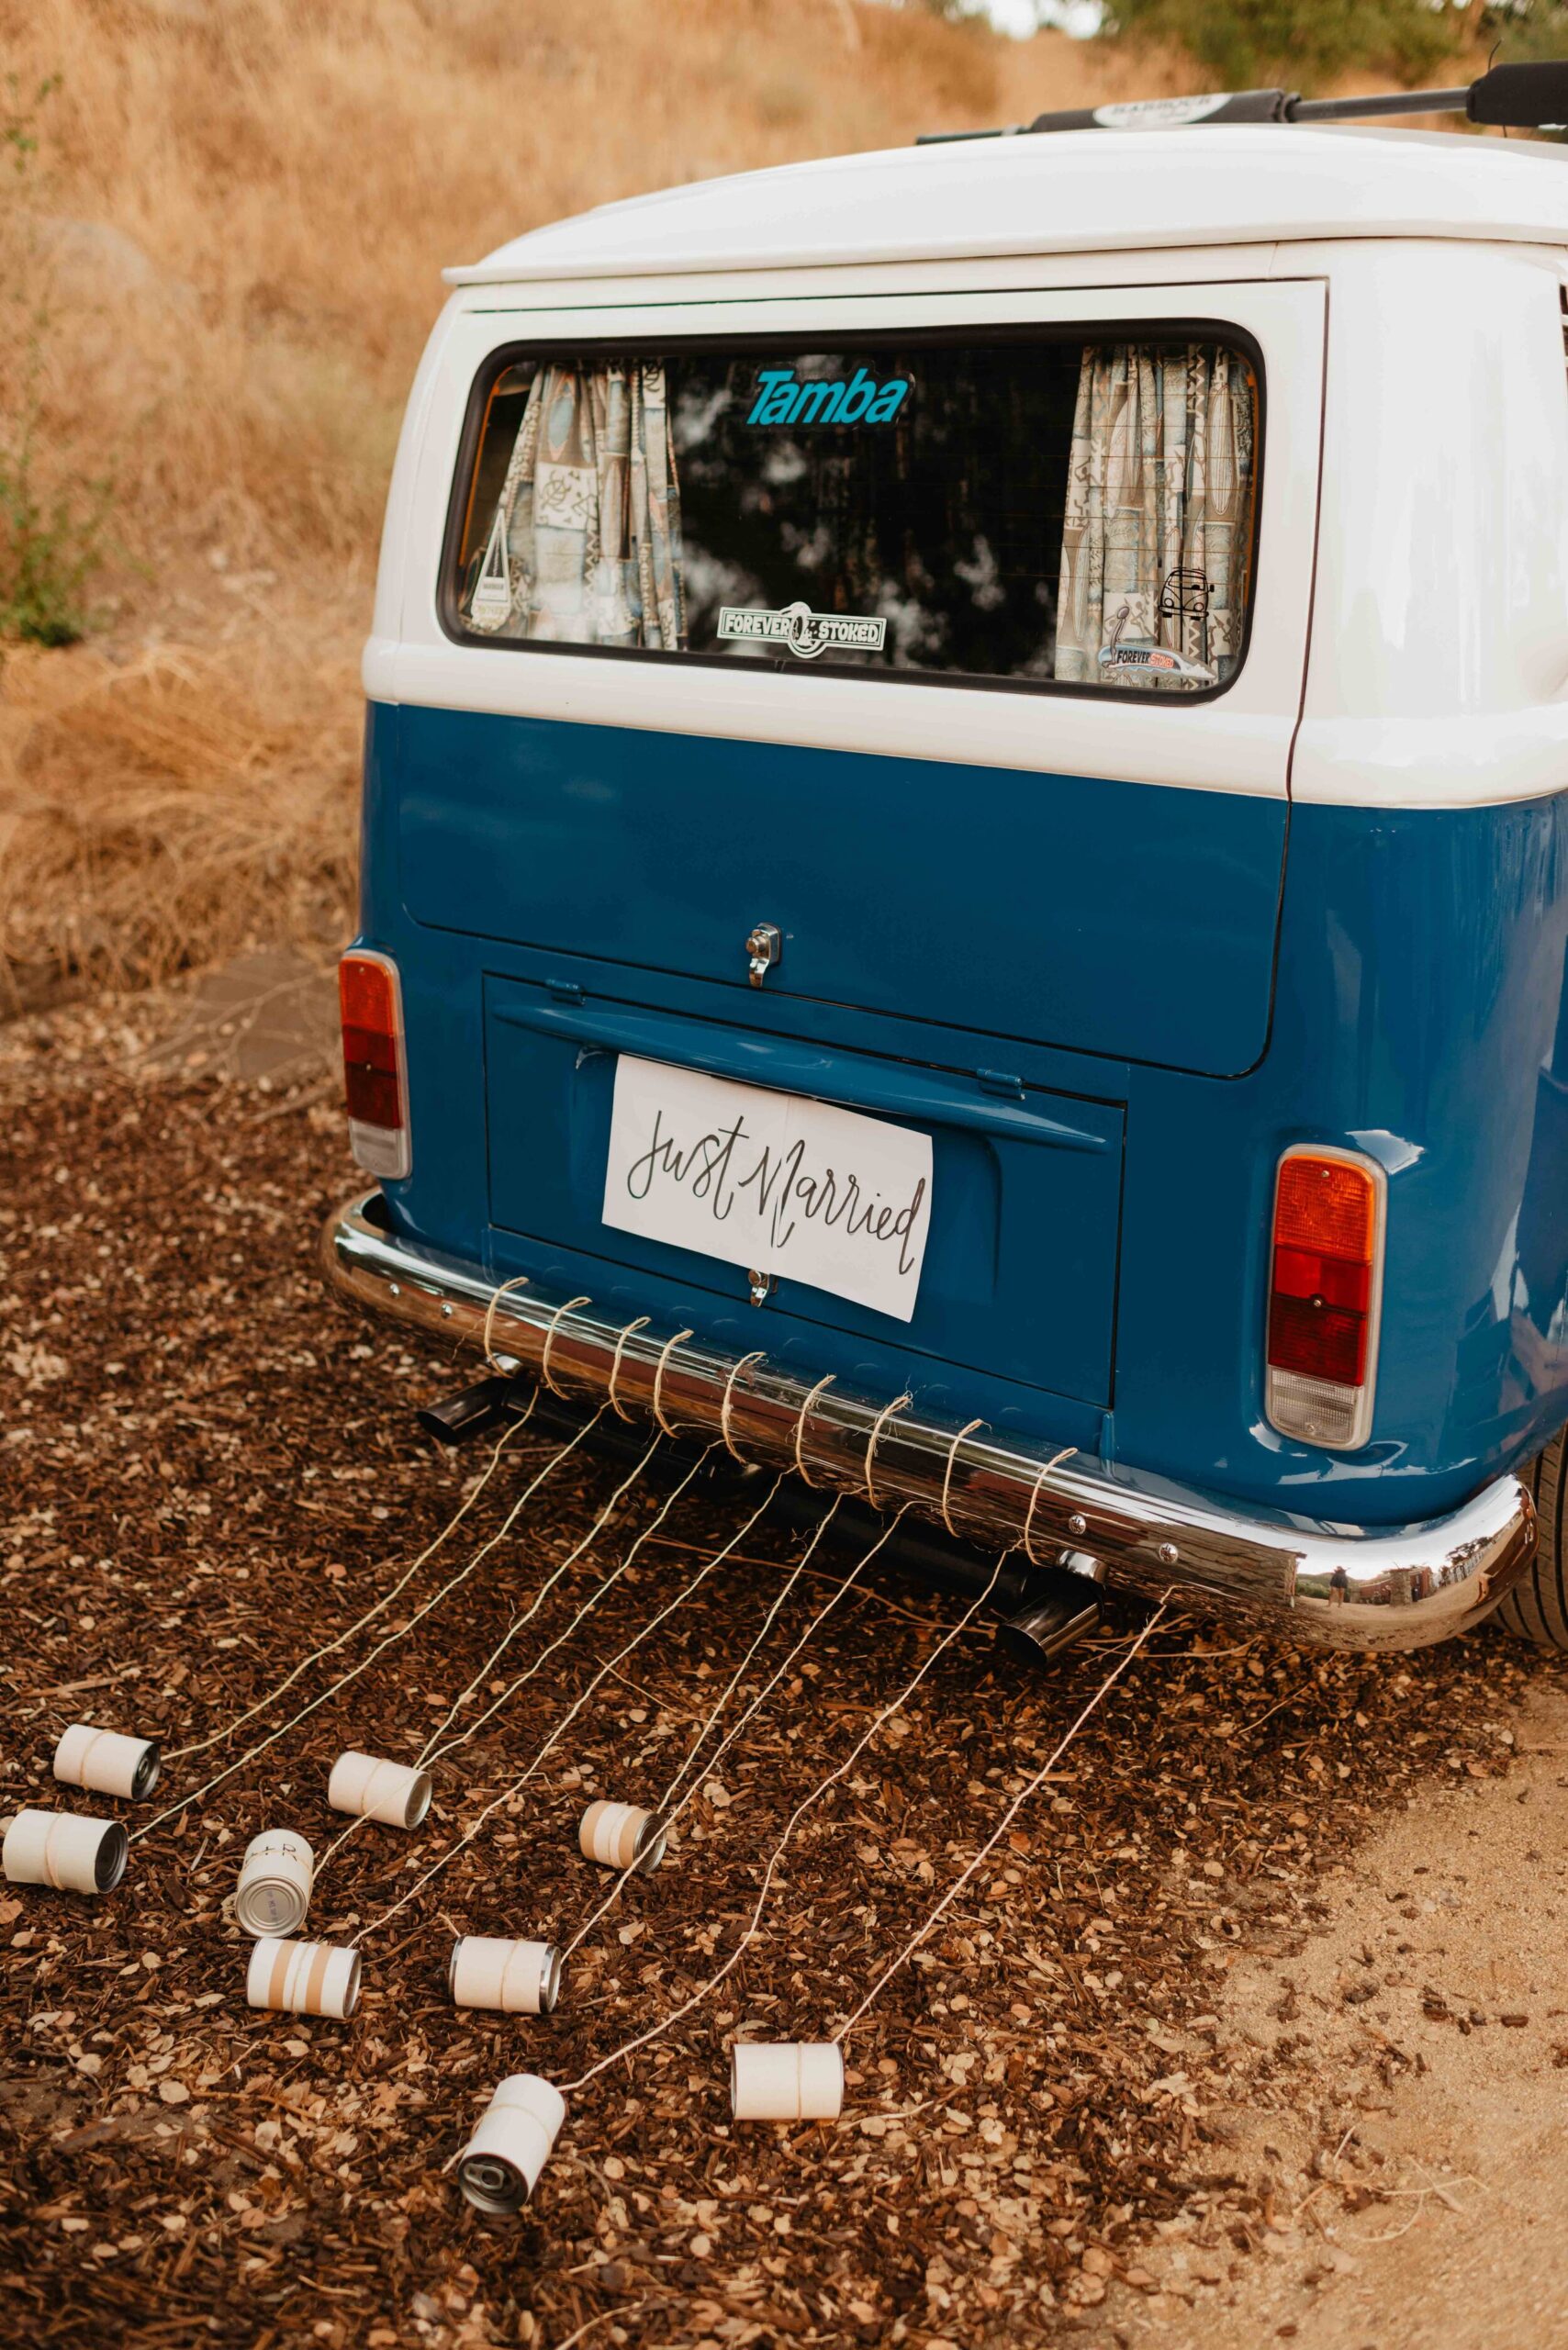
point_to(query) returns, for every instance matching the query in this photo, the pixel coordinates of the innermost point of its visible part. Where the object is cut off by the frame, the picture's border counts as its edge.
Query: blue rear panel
(1418, 1015)
(1058, 909)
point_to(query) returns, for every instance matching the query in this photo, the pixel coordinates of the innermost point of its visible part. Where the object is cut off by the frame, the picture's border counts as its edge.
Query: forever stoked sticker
(805, 632)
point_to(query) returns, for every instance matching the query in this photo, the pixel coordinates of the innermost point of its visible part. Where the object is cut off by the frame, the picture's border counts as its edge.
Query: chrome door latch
(765, 945)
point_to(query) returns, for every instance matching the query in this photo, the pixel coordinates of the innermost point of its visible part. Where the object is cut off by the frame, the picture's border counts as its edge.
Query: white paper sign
(771, 1182)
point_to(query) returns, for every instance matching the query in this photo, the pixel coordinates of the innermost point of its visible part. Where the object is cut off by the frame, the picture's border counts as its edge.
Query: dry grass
(170, 810)
(237, 218)
(247, 204)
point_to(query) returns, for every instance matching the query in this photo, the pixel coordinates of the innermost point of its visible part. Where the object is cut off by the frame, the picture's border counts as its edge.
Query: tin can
(276, 1876)
(786, 2080)
(498, 2168)
(517, 1978)
(107, 1761)
(64, 1851)
(303, 1978)
(619, 1836)
(397, 1793)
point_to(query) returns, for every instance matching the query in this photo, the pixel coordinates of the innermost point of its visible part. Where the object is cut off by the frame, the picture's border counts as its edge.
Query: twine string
(668, 1808)
(748, 1935)
(967, 1429)
(388, 1640)
(883, 1417)
(600, 1591)
(800, 1428)
(527, 1615)
(445, 1859)
(1054, 1463)
(329, 1648)
(659, 1378)
(570, 1304)
(524, 1617)
(639, 1323)
(744, 1364)
(1003, 1825)
(518, 1280)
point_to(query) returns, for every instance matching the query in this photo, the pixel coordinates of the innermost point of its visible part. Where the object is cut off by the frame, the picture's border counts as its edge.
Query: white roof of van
(1064, 191)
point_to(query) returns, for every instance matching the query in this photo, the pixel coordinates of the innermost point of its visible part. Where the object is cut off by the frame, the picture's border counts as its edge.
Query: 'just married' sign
(770, 1181)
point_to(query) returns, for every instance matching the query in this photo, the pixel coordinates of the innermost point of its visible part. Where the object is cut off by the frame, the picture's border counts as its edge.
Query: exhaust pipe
(1038, 1611)
(1064, 1605)
(474, 1411)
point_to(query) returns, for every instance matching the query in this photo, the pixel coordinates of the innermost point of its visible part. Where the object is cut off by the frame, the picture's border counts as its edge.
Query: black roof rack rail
(1512, 98)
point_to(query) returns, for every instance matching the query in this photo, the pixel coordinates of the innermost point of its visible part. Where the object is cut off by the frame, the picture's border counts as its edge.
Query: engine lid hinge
(1000, 1080)
(565, 990)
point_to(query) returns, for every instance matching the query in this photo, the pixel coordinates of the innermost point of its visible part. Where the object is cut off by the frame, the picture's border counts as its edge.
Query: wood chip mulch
(207, 1469)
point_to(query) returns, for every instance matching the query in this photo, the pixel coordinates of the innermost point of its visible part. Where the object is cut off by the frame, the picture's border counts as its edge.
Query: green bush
(51, 540)
(1251, 44)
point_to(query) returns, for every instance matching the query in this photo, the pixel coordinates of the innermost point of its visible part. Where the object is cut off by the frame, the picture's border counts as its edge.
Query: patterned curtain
(1157, 532)
(585, 544)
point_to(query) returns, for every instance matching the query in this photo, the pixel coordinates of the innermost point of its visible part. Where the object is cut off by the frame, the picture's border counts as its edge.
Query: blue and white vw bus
(965, 857)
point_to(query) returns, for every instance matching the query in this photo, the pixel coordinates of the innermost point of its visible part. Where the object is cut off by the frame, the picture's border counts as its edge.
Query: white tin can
(397, 1793)
(498, 2168)
(63, 1849)
(107, 1761)
(786, 2080)
(517, 1978)
(619, 1836)
(275, 1875)
(303, 1978)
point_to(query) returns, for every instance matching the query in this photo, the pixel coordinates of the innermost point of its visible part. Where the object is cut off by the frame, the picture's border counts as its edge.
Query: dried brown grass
(174, 809)
(237, 218)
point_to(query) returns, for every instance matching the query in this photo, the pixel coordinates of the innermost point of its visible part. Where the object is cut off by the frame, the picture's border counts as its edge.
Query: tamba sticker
(784, 398)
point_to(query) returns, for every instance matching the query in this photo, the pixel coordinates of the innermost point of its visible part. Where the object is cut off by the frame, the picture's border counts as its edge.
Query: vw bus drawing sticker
(770, 1181)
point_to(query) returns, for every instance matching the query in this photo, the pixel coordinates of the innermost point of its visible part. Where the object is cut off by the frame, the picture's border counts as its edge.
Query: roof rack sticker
(1158, 114)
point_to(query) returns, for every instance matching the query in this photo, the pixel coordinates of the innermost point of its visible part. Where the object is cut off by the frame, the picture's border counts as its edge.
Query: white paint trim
(1221, 750)
(1238, 742)
(870, 281)
(1086, 191)
(1438, 670)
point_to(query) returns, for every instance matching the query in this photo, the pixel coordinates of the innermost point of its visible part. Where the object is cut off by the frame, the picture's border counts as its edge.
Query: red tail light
(1325, 1296)
(375, 1077)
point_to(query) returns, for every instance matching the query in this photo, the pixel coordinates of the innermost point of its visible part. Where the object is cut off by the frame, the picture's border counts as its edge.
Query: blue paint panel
(1103, 917)
(996, 1296)
(1419, 1017)
(1421, 1014)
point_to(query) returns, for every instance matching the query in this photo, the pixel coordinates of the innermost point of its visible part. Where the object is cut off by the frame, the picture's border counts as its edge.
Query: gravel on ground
(207, 1469)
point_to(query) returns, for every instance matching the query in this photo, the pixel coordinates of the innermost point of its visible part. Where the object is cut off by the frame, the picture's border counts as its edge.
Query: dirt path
(1402, 2106)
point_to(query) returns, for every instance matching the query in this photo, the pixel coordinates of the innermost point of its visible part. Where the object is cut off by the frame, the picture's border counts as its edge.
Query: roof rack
(1512, 98)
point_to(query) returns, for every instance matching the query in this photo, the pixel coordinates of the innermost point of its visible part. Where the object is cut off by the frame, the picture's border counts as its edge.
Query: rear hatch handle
(880, 1089)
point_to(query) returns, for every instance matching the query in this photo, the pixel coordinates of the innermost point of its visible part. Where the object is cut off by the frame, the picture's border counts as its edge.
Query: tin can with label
(274, 1883)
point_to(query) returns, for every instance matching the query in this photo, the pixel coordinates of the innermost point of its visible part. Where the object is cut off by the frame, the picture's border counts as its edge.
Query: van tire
(1536, 1607)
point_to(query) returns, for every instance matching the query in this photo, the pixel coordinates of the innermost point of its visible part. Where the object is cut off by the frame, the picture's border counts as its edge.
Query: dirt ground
(1256, 2027)
(1415, 2185)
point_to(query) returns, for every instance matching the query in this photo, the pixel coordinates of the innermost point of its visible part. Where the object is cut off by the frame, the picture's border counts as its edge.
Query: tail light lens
(1325, 1296)
(375, 1074)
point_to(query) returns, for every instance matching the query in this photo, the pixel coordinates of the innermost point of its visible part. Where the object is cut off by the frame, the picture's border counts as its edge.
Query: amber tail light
(1325, 1296)
(375, 1081)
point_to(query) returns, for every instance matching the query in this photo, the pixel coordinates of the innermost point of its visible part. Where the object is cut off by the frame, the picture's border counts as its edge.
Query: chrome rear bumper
(1335, 1587)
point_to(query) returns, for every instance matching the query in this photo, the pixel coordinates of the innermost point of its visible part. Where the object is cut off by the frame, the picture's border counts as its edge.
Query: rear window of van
(1037, 511)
